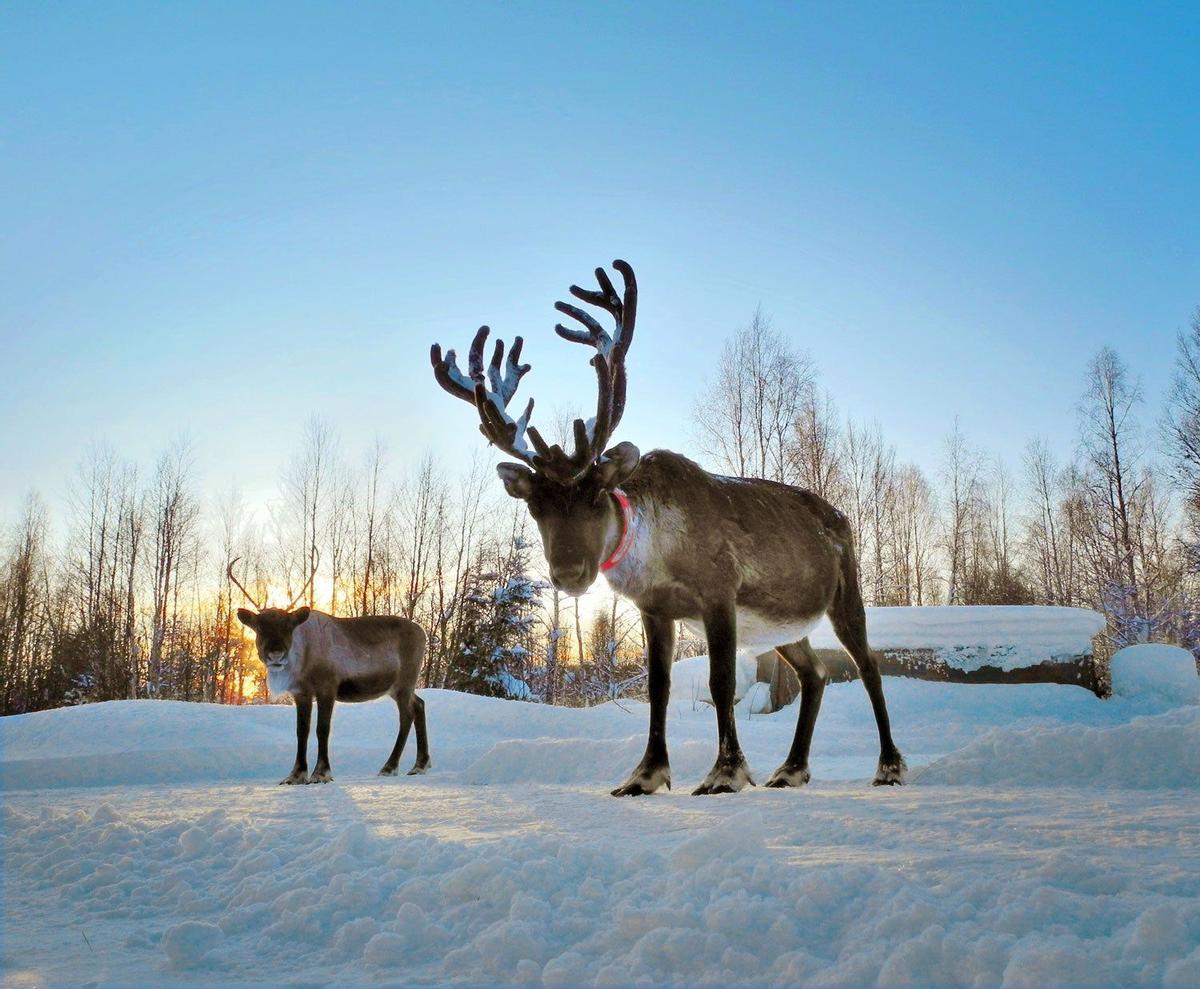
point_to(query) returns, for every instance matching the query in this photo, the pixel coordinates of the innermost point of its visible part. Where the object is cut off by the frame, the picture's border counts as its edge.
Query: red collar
(626, 539)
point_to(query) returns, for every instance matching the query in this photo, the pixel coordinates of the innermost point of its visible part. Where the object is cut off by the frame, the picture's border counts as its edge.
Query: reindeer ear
(299, 616)
(248, 618)
(518, 480)
(617, 465)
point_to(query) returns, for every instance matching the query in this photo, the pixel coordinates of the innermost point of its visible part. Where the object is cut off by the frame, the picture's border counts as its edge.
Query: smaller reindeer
(314, 656)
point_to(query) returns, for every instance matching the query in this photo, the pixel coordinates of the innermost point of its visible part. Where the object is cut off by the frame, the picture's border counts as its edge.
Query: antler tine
(249, 596)
(596, 336)
(628, 304)
(602, 425)
(475, 354)
(445, 370)
(606, 298)
(505, 386)
(308, 583)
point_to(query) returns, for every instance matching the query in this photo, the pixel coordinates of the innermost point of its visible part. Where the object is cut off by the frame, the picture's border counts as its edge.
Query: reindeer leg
(730, 772)
(423, 761)
(404, 706)
(850, 625)
(811, 671)
(323, 773)
(299, 772)
(654, 770)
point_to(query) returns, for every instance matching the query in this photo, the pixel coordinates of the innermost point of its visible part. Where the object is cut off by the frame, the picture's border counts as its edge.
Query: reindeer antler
(308, 583)
(508, 434)
(592, 437)
(494, 421)
(249, 596)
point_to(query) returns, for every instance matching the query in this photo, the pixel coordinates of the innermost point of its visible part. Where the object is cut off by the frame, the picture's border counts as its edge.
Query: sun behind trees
(127, 596)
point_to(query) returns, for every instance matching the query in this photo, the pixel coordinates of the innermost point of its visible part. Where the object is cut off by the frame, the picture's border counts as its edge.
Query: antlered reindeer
(749, 561)
(311, 655)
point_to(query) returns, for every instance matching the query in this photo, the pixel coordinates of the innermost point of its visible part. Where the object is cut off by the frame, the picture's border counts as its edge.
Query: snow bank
(482, 740)
(1158, 751)
(1158, 670)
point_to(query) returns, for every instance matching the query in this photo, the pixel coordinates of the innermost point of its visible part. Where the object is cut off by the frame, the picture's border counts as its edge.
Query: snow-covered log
(976, 644)
(961, 644)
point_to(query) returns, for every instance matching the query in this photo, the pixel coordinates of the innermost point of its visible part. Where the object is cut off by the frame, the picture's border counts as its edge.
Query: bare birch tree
(746, 417)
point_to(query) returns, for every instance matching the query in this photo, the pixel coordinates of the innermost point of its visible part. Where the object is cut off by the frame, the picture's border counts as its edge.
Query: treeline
(129, 597)
(1116, 528)
(135, 602)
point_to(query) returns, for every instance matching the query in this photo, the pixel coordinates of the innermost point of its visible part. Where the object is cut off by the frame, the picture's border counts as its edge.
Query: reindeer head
(569, 494)
(272, 627)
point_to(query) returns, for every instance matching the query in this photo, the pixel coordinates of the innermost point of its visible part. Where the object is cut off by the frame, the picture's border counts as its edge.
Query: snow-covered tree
(494, 655)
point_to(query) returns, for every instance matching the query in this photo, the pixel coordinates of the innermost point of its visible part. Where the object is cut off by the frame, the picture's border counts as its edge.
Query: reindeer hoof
(388, 771)
(639, 788)
(725, 778)
(644, 780)
(296, 779)
(420, 769)
(321, 776)
(787, 775)
(890, 771)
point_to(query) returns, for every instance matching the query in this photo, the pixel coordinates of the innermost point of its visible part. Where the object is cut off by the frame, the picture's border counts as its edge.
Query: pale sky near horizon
(223, 219)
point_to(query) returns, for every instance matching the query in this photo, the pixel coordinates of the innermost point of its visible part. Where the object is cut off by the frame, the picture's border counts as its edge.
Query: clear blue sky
(222, 219)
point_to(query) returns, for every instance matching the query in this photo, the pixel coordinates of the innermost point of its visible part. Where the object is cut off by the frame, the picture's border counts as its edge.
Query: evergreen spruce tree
(502, 600)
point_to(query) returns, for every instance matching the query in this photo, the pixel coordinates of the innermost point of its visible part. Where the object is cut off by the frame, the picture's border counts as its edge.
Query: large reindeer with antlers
(749, 561)
(312, 655)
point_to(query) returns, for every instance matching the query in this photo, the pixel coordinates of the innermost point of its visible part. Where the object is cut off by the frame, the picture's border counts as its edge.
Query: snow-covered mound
(1164, 671)
(1158, 751)
(484, 740)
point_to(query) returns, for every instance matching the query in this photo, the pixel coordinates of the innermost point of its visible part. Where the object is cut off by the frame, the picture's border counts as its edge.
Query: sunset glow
(250, 685)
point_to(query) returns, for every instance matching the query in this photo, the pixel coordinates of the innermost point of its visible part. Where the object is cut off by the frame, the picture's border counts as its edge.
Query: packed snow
(1047, 838)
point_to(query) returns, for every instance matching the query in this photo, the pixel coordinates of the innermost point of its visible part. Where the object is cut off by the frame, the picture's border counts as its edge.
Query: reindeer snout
(276, 658)
(571, 578)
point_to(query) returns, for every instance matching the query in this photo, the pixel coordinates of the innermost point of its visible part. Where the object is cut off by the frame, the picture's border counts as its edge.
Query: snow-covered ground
(1047, 838)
